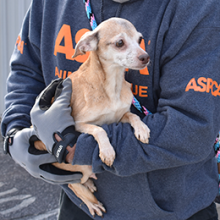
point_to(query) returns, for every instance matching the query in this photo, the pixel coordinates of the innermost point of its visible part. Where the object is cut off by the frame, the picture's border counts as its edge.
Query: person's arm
(24, 84)
(25, 80)
(186, 123)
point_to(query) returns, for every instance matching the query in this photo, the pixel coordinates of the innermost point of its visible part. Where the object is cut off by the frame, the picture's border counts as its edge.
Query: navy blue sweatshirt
(175, 175)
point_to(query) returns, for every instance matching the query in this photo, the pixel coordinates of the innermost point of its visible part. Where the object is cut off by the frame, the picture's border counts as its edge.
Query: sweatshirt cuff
(85, 147)
(17, 124)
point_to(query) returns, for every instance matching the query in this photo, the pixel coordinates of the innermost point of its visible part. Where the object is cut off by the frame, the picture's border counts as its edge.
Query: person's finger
(58, 138)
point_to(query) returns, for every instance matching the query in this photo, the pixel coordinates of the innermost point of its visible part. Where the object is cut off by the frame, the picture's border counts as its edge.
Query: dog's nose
(144, 58)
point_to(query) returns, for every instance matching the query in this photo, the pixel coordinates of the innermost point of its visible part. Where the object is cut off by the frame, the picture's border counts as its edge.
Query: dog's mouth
(134, 64)
(139, 66)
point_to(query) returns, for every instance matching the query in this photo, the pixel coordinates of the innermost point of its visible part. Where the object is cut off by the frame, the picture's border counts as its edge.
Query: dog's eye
(119, 43)
(140, 39)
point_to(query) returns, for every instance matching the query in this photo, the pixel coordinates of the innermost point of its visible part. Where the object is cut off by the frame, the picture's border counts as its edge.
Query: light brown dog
(100, 95)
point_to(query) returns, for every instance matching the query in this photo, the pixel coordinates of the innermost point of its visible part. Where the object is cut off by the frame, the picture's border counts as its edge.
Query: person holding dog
(175, 175)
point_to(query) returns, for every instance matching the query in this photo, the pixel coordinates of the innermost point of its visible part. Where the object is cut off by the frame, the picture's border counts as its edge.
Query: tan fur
(100, 95)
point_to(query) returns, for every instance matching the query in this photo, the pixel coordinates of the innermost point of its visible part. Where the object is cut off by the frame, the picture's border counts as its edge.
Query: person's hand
(71, 150)
(20, 145)
(50, 119)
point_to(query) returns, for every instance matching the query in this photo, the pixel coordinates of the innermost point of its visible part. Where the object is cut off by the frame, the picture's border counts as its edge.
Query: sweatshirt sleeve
(25, 80)
(187, 121)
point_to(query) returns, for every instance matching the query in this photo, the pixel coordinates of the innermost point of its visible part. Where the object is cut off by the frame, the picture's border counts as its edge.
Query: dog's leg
(141, 131)
(106, 151)
(82, 192)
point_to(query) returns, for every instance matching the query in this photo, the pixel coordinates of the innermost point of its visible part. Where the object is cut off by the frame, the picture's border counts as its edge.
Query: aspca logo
(20, 44)
(203, 84)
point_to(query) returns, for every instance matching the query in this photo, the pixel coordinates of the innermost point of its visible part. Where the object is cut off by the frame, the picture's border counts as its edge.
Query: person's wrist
(8, 140)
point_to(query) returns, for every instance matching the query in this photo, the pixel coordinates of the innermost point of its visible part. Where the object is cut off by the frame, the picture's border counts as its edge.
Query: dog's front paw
(107, 154)
(90, 185)
(96, 209)
(142, 133)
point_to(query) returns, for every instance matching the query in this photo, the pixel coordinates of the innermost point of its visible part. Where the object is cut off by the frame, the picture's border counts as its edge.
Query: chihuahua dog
(100, 95)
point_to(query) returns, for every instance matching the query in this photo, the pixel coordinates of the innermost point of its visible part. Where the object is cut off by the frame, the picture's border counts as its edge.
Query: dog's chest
(107, 112)
(100, 109)
(96, 104)
(112, 112)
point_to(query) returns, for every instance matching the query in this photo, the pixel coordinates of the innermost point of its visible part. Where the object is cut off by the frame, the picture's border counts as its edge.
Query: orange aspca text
(204, 85)
(62, 73)
(141, 91)
(20, 44)
(68, 49)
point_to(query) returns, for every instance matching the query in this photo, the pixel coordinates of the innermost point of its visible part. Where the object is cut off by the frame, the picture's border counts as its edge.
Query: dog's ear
(88, 42)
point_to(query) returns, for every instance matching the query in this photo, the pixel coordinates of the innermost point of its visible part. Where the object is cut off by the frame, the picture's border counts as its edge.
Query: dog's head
(115, 41)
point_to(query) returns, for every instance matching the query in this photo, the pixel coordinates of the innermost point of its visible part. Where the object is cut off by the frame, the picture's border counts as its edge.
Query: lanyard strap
(93, 25)
(140, 107)
(90, 14)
